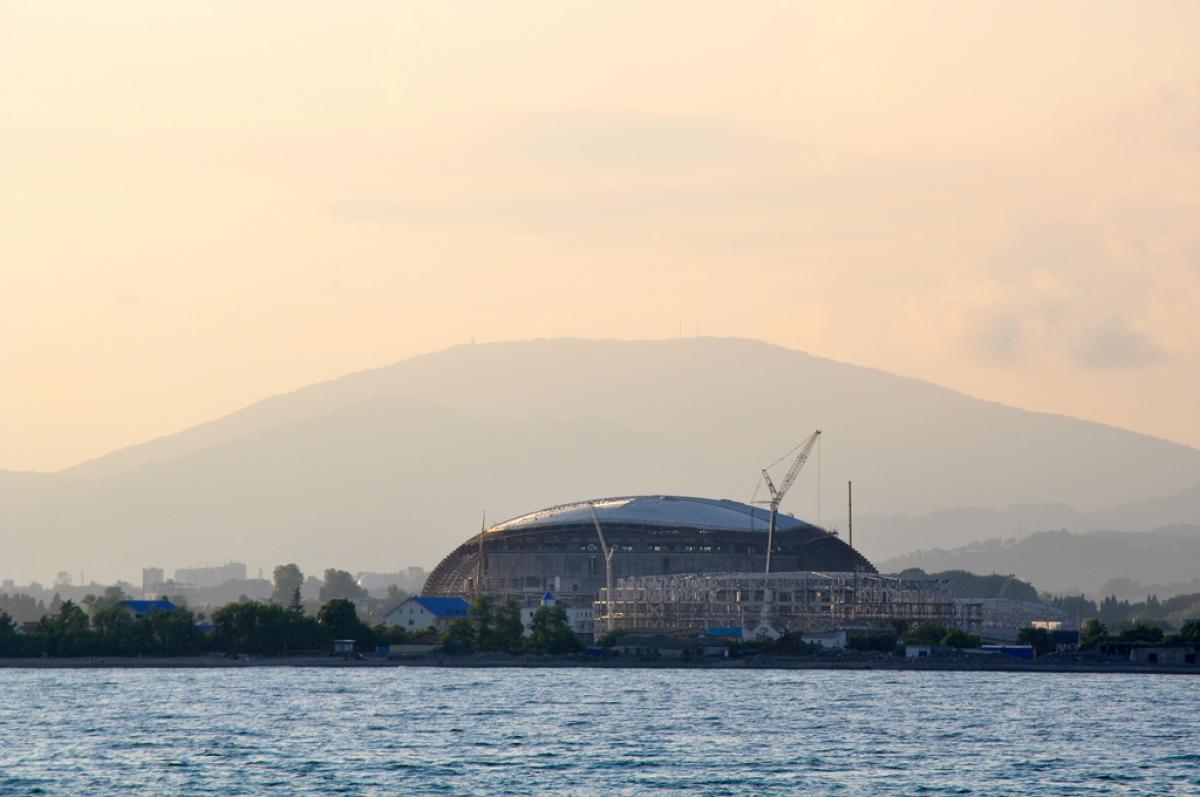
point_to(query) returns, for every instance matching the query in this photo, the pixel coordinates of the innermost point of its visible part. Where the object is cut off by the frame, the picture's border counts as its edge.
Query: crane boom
(790, 478)
(777, 494)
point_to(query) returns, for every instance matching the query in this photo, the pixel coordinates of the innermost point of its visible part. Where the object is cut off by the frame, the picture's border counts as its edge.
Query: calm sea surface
(425, 731)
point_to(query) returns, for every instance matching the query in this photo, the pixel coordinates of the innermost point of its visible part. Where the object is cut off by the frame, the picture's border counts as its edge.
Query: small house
(669, 647)
(581, 619)
(831, 640)
(137, 609)
(1175, 656)
(420, 613)
(1022, 652)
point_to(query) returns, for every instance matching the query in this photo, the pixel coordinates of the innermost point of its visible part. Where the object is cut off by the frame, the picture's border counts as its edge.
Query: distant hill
(975, 585)
(1164, 561)
(393, 466)
(892, 535)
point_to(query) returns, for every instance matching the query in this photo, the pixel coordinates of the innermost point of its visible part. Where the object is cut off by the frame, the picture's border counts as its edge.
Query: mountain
(1163, 561)
(393, 466)
(893, 535)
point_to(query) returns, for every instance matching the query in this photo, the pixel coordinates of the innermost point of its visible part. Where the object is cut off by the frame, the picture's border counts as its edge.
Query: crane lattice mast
(777, 494)
(608, 555)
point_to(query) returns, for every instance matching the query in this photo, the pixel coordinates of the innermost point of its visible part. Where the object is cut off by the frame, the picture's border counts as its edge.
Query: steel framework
(797, 601)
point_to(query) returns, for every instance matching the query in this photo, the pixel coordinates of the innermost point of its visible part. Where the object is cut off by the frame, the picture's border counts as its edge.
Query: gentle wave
(626, 732)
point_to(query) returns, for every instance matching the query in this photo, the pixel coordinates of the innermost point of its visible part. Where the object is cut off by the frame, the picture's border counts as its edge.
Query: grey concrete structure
(558, 550)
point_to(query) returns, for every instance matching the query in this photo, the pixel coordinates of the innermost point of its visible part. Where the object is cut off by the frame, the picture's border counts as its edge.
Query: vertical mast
(850, 510)
(479, 558)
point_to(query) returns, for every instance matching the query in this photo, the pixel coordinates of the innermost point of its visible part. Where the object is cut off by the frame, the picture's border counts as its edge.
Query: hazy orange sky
(205, 203)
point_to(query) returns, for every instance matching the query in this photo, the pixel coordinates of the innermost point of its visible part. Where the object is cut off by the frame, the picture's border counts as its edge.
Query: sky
(202, 204)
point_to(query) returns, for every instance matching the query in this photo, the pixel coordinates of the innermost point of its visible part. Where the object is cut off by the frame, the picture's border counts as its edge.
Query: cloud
(625, 139)
(1001, 337)
(1115, 345)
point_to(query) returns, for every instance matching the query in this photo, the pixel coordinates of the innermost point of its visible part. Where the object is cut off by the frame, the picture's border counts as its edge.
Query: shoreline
(519, 662)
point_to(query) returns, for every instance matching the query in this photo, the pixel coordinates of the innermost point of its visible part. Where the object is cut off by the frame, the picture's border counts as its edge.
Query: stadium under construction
(560, 550)
(667, 563)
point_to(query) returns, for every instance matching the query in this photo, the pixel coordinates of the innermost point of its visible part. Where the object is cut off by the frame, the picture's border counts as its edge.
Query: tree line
(491, 626)
(238, 628)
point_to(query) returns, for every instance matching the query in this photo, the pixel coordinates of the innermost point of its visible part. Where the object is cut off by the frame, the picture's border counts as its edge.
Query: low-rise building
(144, 608)
(669, 647)
(1022, 652)
(581, 618)
(827, 639)
(419, 613)
(1172, 655)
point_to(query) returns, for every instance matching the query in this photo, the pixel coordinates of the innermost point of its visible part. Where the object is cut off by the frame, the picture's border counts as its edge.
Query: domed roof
(657, 510)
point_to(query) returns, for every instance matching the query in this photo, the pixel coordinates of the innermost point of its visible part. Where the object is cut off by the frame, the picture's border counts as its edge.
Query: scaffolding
(797, 601)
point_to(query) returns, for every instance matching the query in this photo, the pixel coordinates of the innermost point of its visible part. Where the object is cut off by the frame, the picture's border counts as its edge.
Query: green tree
(340, 584)
(1074, 605)
(460, 636)
(338, 613)
(1190, 631)
(391, 635)
(609, 639)
(482, 617)
(1141, 633)
(175, 632)
(111, 597)
(10, 643)
(268, 629)
(288, 580)
(957, 638)
(67, 632)
(927, 633)
(1041, 639)
(1092, 632)
(340, 618)
(114, 627)
(508, 630)
(550, 632)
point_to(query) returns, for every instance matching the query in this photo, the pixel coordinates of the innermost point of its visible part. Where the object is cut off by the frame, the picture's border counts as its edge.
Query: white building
(827, 639)
(581, 619)
(419, 613)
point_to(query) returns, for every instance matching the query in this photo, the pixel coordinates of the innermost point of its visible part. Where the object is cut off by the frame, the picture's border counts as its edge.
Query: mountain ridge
(1166, 559)
(118, 459)
(524, 425)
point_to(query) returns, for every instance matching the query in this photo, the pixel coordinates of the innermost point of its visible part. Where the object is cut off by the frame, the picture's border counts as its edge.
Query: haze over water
(472, 731)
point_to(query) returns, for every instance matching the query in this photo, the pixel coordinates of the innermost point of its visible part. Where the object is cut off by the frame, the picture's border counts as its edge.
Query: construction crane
(777, 494)
(608, 555)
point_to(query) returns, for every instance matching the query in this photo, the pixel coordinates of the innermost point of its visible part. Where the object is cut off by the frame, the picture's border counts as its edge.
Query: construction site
(789, 601)
(673, 564)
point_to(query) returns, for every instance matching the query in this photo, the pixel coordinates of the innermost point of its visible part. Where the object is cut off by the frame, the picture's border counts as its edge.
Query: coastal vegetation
(931, 633)
(103, 625)
(489, 626)
(250, 628)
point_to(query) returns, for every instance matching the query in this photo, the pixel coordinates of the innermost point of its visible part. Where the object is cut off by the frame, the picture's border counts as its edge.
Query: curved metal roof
(657, 510)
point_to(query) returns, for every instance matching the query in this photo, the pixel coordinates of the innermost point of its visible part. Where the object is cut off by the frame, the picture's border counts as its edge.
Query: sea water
(603, 732)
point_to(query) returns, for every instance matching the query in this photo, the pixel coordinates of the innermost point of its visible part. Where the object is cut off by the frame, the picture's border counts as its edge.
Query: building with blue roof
(138, 609)
(420, 613)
